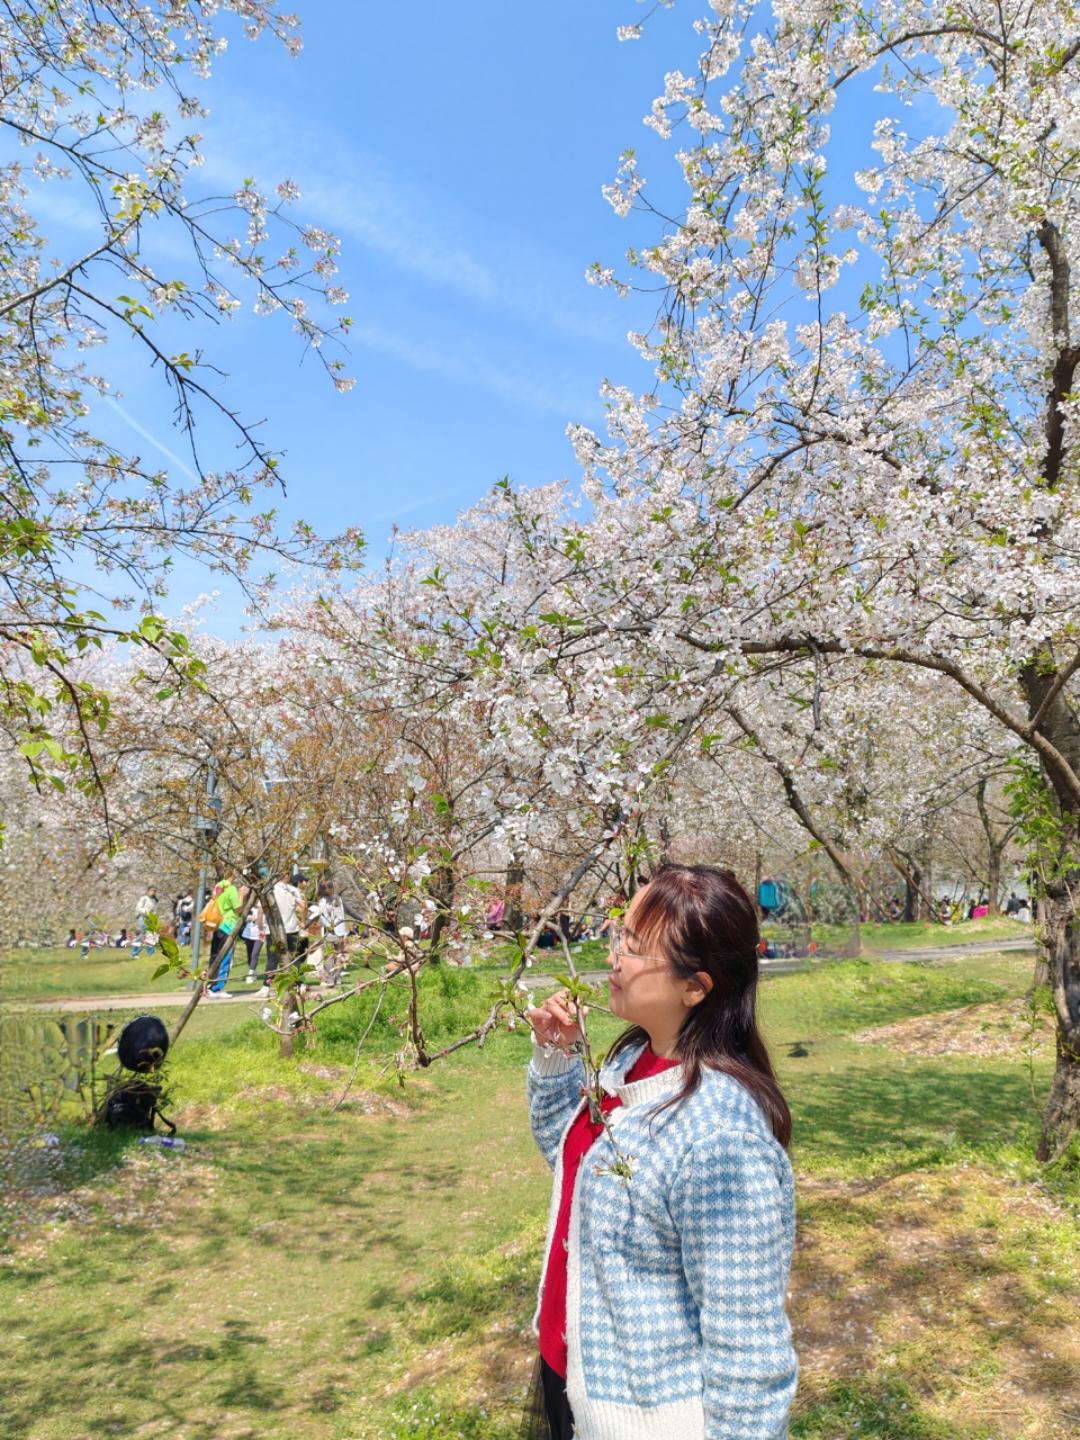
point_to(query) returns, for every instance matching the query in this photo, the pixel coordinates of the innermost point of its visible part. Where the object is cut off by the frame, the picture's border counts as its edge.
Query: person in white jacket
(144, 936)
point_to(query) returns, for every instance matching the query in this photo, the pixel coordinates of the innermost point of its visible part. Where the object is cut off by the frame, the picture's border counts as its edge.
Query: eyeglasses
(615, 947)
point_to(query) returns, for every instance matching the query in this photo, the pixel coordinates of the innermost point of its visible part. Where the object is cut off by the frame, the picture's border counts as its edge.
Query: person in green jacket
(229, 901)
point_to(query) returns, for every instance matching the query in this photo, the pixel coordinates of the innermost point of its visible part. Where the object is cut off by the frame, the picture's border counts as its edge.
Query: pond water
(52, 1067)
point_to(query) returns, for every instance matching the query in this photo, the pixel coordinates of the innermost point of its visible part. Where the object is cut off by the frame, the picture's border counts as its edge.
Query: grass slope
(367, 1273)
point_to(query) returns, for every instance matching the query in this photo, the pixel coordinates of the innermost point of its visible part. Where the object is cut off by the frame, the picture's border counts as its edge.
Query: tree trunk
(277, 945)
(918, 904)
(994, 849)
(853, 948)
(514, 919)
(912, 879)
(287, 1043)
(441, 888)
(1059, 930)
(993, 880)
(632, 880)
(1061, 937)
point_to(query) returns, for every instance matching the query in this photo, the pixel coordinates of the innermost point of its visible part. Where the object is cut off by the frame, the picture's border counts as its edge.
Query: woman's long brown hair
(702, 920)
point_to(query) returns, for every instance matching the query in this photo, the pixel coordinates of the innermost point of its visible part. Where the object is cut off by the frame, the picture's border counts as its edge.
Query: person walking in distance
(253, 935)
(229, 900)
(662, 1299)
(292, 908)
(185, 913)
(333, 911)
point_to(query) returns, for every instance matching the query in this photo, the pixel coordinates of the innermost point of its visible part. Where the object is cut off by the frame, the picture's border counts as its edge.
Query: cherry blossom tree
(98, 100)
(860, 438)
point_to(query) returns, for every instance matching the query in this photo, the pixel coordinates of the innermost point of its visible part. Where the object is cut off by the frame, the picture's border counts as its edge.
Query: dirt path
(972, 947)
(161, 1000)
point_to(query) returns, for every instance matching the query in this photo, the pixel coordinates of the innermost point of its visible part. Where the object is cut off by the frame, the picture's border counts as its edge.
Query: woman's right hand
(553, 1022)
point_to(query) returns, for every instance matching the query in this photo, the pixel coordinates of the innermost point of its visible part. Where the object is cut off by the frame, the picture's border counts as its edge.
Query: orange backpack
(210, 914)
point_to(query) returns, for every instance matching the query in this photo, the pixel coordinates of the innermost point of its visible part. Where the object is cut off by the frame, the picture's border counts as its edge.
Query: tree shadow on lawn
(321, 1186)
(917, 1311)
(932, 1303)
(869, 1116)
(110, 1321)
(113, 1383)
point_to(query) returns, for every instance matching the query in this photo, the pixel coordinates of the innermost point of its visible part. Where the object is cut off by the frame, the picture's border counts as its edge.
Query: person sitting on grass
(661, 1310)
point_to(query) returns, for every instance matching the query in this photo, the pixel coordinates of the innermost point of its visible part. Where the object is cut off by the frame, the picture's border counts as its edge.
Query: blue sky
(459, 152)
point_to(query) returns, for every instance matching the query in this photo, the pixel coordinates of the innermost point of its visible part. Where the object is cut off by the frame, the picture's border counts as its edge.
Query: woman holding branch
(661, 1313)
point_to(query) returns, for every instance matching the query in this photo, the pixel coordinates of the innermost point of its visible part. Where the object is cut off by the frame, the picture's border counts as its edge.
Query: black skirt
(547, 1410)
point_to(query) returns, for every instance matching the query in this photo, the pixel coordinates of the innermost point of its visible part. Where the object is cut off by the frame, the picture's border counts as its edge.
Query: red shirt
(579, 1140)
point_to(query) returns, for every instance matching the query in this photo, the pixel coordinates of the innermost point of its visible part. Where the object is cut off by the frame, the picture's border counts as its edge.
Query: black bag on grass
(133, 1105)
(134, 1101)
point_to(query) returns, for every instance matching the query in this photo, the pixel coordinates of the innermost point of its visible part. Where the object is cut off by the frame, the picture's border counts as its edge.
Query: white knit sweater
(676, 1278)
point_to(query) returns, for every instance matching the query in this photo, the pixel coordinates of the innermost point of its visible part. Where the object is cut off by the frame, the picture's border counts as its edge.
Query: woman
(253, 934)
(326, 932)
(662, 1299)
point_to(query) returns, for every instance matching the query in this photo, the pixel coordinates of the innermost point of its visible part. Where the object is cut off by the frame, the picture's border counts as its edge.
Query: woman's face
(643, 988)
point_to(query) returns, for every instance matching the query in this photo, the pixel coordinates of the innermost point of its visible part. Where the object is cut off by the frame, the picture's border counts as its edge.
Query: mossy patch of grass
(878, 1410)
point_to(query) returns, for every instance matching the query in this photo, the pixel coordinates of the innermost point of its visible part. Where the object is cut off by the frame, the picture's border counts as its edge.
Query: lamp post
(208, 827)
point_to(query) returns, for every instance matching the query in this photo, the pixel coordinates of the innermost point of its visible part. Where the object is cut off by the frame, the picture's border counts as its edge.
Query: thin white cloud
(399, 512)
(150, 439)
(421, 233)
(464, 366)
(384, 217)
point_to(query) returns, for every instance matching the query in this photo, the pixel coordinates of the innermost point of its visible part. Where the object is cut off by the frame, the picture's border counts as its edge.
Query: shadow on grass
(122, 1387)
(884, 1117)
(35, 1172)
(312, 1180)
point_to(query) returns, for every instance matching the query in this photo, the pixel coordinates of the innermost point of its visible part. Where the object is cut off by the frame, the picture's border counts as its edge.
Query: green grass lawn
(367, 1273)
(60, 974)
(921, 935)
(57, 974)
(899, 935)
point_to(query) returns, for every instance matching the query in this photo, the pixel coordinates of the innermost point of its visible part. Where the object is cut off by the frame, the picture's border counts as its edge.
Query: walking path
(159, 999)
(787, 965)
(790, 964)
(970, 947)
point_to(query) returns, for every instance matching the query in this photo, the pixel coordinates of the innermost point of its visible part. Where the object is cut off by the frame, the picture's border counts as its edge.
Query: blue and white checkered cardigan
(677, 1277)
